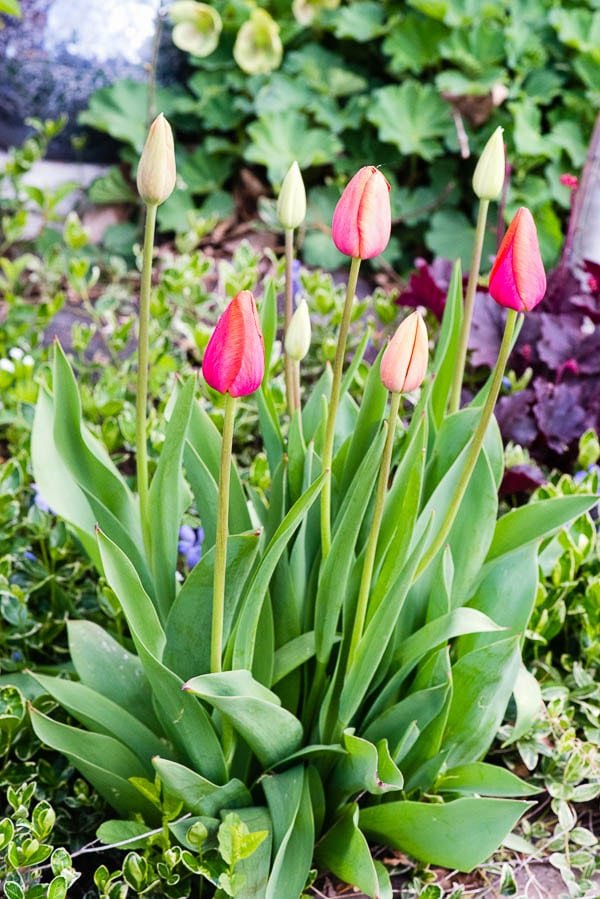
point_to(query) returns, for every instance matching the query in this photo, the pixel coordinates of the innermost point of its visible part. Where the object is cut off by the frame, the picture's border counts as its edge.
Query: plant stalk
(290, 380)
(459, 371)
(371, 549)
(475, 447)
(141, 449)
(218, 609)
(338, 366)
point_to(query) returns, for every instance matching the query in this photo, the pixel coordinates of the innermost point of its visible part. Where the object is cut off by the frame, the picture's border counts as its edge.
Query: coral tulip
(518, 279)
(234, 360)
(362, 219)
(404, 362)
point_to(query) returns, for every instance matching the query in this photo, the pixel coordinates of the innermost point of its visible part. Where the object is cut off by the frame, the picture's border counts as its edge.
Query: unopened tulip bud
(518, 279)
(291, 203)
(297, 338)
(488, 177)
(362, 219)
(404, 362)
(156, 170)
(234, 359)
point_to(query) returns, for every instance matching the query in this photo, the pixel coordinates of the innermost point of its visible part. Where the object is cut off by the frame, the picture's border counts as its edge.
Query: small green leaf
(199, 795)
(424, 115)
(277, 140)
(484, 779)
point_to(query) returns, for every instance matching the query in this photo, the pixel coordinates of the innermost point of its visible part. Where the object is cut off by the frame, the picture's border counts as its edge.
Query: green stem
(338, 366)
(142, 374)
(287, 317)
(218, 609)
(475, 446)
(371, 550)
(469, 303)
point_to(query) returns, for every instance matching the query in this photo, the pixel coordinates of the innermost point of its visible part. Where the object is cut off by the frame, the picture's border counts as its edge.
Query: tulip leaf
(368, 423)
(289, 802)
(459, 835)
(444, 362)
(199, 795)
(268, 322)
(103, 716)
(254, 711)
(292, 655)
(485, 780)
(420, 707)
(255, 868)
(345, 852)
(269, 426)
(104, 761)
(529, 702)
(423, 113)
(167, 499)
(188, 627)
(312, 412)
(365, 767)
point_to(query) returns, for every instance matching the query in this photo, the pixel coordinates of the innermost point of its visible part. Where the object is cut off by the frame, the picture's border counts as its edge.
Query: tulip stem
(141, 450)
(290, 379)
(371, 549)
(338, 366)
(475, 447)
(465, 330)
(218, 608)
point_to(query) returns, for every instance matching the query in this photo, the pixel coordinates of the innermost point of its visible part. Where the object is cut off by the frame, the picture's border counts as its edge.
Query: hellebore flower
(362, 220)
(190, 544)
(490, 171)
(297, 338)
(234, 360)
(197, 27)
(404, 362)
(156, 173)
(291, 203)
(518, 279)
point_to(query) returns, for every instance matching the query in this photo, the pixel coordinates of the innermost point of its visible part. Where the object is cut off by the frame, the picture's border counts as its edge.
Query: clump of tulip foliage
(337, 665)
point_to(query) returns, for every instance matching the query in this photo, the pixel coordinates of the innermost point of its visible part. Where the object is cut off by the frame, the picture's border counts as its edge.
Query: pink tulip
(518, 279)
(362, 220)
(234, 360)
(404, 362)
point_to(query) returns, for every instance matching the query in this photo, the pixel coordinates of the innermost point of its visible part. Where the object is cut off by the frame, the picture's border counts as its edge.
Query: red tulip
(518, 279)
(234, 360)
(362, 219)
(404, 362)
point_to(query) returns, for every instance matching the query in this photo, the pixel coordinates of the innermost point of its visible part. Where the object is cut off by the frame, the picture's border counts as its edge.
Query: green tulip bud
(488, 177)
(156, 170)
(297, 338)
(291, 203)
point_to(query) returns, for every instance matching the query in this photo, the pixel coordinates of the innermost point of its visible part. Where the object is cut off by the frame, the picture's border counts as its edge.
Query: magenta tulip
(518, 279)
(362, 220)
(234, 360)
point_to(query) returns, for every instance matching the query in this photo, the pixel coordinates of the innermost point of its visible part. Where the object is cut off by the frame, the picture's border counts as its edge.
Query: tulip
(518, 279)
(362, 219)
(404, 362)
(297, 338)
(488, 177)
(234, 360)
(156, 170)
(291, 203)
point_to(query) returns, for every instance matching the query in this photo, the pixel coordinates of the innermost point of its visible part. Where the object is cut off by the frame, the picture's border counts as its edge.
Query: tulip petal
(362, 219)
(234, 359)
(404, 362)
(518, 279)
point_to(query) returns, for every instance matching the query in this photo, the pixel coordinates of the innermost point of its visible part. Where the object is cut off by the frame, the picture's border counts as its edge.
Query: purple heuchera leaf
(559, 416)
(513, 413)
(428, 286)
(521, 479)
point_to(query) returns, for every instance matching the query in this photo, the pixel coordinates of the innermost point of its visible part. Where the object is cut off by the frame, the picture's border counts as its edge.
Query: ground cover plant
(310, 592)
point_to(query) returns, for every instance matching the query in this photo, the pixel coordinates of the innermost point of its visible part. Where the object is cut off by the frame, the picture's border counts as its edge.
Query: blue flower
(40, 501)
(296, 285)
(190, 544)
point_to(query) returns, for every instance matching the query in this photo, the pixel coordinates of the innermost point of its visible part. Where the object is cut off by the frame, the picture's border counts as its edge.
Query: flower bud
(488, 177)
(362, 220)
(297, 338)
(258, 49)
(518, 279)
(404, 362)
(234, 359)
(291, 203)
(156, 170)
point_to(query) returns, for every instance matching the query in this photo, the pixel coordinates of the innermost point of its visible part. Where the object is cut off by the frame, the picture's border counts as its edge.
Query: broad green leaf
(362, 21)
(483, 681)
(423, 113)
(255, 869)
(412, 43)
(167, 498)
(277, 140)
(453, 434)
(485, 780)
(108, 668)
(206, 494)
(345, 852)
(460, 834)
(254, 711)
(188, 627)
(312, 411)
(296, 453)
(335, 570)
(536, 520)
(288, 798)
(529, 702)
(292, 655)
(203, 172)
(368, 423)
(254, 595)
(444, 362)
(199, 795)
(268, 321)
(104, 761)
(420, 707)
(365, 767)
(269, 426)
(103, 716)
(115, 832)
